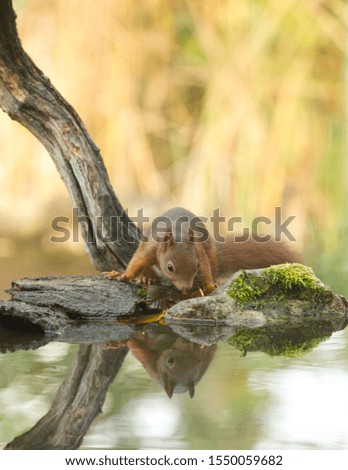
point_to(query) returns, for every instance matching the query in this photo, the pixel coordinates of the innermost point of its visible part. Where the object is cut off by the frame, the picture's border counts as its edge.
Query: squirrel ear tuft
(191, 236)
(168, 237)
(168, 386)
(191, 389)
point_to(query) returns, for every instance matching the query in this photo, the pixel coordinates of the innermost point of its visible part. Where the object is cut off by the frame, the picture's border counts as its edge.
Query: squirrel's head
(178, 261)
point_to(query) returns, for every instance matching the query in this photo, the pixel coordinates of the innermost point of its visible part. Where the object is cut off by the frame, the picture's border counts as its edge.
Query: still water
(251, 401)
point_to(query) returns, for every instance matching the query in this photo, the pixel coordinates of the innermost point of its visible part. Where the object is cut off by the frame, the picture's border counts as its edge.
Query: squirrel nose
(184, 288)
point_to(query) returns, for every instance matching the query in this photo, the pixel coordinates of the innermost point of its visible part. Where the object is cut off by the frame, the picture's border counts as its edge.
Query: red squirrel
(178, 249)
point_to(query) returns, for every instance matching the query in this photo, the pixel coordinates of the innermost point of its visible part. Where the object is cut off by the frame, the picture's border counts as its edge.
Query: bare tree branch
(28, 97)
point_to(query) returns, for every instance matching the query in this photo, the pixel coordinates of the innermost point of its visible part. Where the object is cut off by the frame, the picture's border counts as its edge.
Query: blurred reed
(230, 104)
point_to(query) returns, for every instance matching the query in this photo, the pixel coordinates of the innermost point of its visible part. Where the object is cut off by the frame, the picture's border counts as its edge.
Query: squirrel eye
(170, 266)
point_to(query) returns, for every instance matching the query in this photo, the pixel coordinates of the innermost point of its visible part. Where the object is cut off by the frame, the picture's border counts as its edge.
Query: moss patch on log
(277, 283)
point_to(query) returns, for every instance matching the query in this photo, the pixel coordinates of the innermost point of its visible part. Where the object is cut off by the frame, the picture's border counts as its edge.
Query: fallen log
(89, 308)
(76, 309)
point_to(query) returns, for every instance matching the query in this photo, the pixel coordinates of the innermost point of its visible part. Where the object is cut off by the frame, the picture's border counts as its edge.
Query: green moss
(273, 284)
(293, 276)
(280, 340)
(245, 288)
(142, 292)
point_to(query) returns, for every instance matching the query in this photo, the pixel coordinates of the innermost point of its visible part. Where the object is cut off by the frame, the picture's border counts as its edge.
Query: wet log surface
(94, 309)
(75, 308)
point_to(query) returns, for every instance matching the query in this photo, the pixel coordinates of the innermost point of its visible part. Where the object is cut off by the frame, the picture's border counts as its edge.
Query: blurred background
(237, 105)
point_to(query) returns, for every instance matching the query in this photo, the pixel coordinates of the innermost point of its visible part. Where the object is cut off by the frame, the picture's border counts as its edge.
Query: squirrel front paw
(146, 280)
(115, 275)
(210, 288)
(204, 290)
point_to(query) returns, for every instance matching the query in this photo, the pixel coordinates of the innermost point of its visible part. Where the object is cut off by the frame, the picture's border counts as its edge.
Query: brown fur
(250, 254)
(197, 264)
(193, 263)
(174, 362)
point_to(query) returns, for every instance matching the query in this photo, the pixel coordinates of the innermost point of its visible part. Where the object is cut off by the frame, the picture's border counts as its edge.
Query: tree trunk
(28, 97)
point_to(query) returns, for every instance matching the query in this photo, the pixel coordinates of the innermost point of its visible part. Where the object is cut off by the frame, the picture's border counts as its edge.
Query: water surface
(244, 402)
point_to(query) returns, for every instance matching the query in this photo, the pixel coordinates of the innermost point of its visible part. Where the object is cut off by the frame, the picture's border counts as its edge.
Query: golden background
(232, 104)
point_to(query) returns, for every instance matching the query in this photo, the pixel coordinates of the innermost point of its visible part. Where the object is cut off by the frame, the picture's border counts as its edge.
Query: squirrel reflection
(174, 362)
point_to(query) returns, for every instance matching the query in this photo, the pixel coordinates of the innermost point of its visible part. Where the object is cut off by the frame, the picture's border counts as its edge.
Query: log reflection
(79, 400)
(177, 361)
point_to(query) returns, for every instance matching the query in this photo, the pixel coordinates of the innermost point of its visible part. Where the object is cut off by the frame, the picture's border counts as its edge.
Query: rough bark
(28, 97)
(86, 309)
(76, 309)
